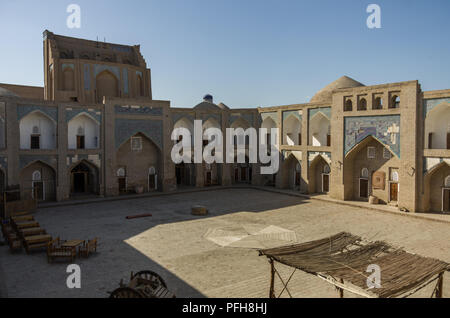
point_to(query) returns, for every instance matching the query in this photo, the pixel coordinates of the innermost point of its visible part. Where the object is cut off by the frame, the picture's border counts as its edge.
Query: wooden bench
(88, 248)
(25, 224)
(22, 218)
(32, 231)
(36, 241)
(11, 238)
(55, 250)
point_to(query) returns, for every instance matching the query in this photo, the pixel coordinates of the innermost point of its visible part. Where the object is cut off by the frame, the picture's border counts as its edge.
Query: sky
(246, 53)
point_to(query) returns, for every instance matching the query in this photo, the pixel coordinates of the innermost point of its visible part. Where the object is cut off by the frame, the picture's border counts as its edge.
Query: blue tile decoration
(98, 68)
(246, 116)
(429, 104)
(125, 80)
(71, 113)
(23, 110)
(272, 115)
(66, 65)
(95, 159)
(430, 163)
(296, 113)
(138, 110)
(177, 116)
(25, 160)
(313, 154)
(87, 77)
(324, 110)
(385, 129)
(126, 128)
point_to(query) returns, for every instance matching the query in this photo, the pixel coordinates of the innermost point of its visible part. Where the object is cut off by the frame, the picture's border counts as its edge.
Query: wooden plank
(38, 239)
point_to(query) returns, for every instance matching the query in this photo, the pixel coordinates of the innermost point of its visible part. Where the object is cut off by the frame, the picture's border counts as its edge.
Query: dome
(7, 93)
(325, 94)
(223, 106)
(206, 106)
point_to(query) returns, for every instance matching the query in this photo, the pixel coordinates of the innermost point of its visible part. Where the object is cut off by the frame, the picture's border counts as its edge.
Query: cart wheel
(151, 276)
(126, 292)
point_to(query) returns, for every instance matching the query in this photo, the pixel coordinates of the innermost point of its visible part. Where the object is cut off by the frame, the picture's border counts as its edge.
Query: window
(430, 141)
(348, 105)
(35, 142)
(362, 104)
(136, 143)
(326, 169)
(364, 173)
(121, 172)
(299, 139)
(447, 182)
(395, 101)
(386, 153)
(371, 152)
(328, 140)
(377, 103)
(36, 176)
(394, 176)
(448, 140)
(80, 142)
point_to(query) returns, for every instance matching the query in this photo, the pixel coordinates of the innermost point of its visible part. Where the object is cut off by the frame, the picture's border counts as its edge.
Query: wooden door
(328, 140)
(122, 185)
(244, 174)
(38, 188)
(151, 182)
(80, 142)
(448, 140)
(394, 191)
(326, 183)
(236, 175)
(363, 188)
(446, 200)
(208, 178)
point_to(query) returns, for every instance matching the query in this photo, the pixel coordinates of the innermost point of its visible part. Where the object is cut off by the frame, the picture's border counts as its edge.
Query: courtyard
(172, 243)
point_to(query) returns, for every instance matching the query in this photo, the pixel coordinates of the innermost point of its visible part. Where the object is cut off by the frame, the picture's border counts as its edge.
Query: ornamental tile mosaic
(326, 111)
(71, 113)
(246, 116)
(429, 104)
(296, 113)
(23, 110)
(138, 110)
(385, 129)
(126, 128)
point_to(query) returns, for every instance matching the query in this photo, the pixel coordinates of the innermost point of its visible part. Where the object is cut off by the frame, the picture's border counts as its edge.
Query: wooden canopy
(343, 260)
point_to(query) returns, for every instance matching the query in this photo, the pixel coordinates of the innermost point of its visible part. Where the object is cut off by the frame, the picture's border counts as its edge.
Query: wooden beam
(272, 279)
(440, 286)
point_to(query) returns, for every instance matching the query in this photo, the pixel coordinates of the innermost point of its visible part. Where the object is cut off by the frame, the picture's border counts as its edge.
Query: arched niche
(37, 131)
(107, 85)
(83, 132)
(319, 130)
(292, 129)
(38, 180)
(437, 127)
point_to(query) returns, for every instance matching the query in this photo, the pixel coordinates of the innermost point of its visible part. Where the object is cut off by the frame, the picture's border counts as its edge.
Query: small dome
(7, 93)
(223, 106)
(325, 94)
(208, 98)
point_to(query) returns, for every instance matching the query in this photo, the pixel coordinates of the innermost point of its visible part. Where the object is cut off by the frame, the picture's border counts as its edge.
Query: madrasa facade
(95, 130)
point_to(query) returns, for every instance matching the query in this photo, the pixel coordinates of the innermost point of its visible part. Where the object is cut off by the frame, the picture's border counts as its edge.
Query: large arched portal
(37, 180)
(84, 179)
(319, 175)
(140, 158)
(107, 85)
(437, 188)
(185, 172)
(371, 169)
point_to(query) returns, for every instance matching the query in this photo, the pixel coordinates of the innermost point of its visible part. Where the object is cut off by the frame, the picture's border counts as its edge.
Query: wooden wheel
(151, 276)
(126, 292)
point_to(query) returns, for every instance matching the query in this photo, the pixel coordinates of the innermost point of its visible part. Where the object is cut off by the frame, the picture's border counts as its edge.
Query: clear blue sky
(246, 53)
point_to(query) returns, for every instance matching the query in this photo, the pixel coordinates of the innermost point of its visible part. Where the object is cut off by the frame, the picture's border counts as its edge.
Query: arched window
(121, 172)
(36, 130)
(36, 176)
(447, 182)
(298, 167)
(378, 103)
(362, 104)
(364, 173)
(80, 131)
(348, 106)
(394, 176)
(152, 171)
(326, 169)
(395, 102)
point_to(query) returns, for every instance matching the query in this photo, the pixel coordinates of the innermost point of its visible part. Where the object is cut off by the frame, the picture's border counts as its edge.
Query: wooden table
(34, 239)
(73, 244)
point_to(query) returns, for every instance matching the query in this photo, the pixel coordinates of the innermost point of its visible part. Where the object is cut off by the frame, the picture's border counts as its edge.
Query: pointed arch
(90, 139)
(292, 129)
(107, 84)
(37, 130)
(42, 188)
(319, 130)
(240, 123)
(363, 143)
(437, 130)
(437, 189)
(319, 175)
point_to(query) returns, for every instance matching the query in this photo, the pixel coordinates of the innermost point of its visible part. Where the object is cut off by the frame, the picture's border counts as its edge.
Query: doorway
(393, 192)
(363, 188)
(325, 183)
(79, 182)
(151, 182)
(244, 174)
(122, 185)
(84, 179)
(38, 190)
(208, 178)
(236, 175)
(446, 200)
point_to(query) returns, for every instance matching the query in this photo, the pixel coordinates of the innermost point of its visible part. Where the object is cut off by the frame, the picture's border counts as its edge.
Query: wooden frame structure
(343, 259)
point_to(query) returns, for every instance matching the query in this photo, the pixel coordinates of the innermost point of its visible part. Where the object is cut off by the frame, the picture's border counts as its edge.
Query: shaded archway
(319, 130)
(140, 156)
(38, 180)
(437, 130)
(371, 169)
(437, 189)
(68, 79)
(291, 173)
(83, 132)
(319, 175)
(269, 123)
(241, 172)
(107, 85)
(185, 172)
(37, 131)
(84, 179)
(292, 130)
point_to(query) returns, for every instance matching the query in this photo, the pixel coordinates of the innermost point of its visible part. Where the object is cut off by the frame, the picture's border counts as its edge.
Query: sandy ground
(172, 244)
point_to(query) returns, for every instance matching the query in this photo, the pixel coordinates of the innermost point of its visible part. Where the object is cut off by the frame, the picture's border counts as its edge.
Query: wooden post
(341, 291)
(440, 286)
(272, 279)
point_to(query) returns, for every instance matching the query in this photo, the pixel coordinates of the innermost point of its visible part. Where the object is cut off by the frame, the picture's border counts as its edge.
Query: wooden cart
(144, 284)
